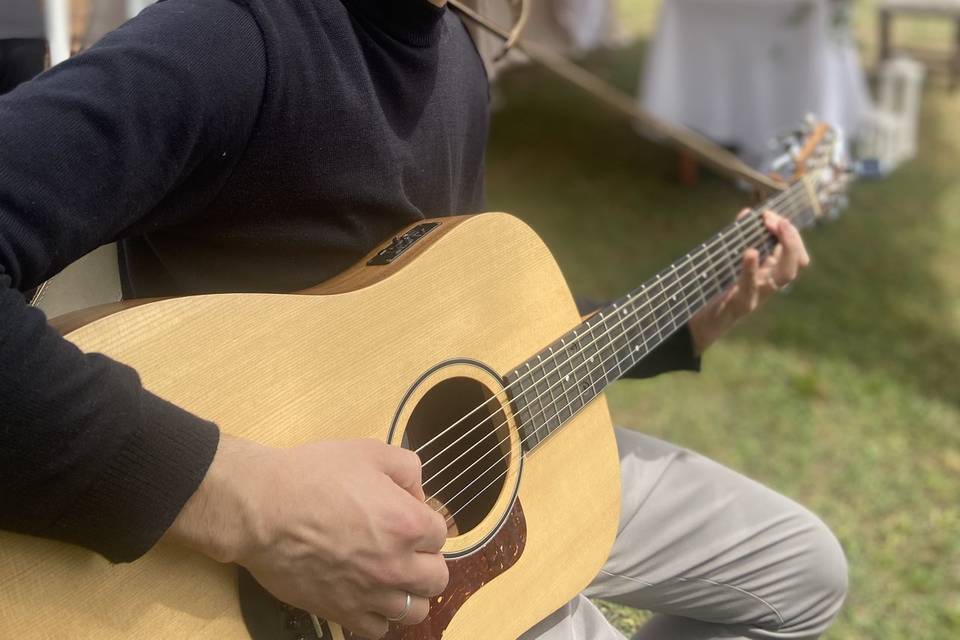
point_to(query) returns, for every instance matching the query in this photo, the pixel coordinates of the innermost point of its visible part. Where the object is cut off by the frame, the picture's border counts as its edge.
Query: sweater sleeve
(676, 353)
(87, 151)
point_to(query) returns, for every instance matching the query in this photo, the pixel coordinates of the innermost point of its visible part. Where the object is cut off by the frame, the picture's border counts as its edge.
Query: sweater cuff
(676, 353)
(141, 491)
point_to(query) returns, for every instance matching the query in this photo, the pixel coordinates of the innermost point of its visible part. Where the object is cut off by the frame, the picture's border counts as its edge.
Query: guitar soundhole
(463, 440)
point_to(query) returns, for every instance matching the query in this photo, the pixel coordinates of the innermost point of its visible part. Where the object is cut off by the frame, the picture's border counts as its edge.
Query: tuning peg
(784, 164)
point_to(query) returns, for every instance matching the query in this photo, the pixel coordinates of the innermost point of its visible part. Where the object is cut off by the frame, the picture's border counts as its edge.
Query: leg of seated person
(714, 553)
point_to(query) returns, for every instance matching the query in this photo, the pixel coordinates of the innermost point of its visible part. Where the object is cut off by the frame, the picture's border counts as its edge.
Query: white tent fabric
(743, 71)
(570, 27)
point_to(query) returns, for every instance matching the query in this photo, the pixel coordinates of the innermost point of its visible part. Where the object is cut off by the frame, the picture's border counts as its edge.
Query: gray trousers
(711, 552)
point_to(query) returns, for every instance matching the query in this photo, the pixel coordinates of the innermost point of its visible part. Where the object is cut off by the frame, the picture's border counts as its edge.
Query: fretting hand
(757, 282)
(339, 528)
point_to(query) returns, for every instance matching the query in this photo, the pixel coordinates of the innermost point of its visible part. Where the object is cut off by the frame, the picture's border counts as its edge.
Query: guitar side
(284, 370)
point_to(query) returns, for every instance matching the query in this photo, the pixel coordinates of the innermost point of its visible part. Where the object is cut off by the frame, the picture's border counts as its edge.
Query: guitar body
(393, 352)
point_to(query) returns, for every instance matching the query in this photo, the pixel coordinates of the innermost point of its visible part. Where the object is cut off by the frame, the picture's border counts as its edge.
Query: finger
(419, 524)
(370, 625)
(393, 604)
(743, 213)
(435, 533)
(793, 253)
(404, 468)
(771, 219)
(425, 575)
(747, 286)
(793, 241)
(770, 262)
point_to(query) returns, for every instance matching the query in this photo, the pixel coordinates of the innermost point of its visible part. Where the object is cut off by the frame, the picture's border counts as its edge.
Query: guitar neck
(552, 386)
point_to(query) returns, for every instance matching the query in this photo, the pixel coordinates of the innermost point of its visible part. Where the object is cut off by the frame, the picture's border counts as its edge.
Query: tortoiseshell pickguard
(467, 575)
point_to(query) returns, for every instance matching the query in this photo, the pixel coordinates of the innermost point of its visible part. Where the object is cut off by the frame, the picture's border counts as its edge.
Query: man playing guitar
(254, 145)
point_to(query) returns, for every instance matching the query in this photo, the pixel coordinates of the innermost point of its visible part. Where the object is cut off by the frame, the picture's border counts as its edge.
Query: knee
(821, 582)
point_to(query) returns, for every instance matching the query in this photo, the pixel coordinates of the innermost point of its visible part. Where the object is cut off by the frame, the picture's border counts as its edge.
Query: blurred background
(843, 393)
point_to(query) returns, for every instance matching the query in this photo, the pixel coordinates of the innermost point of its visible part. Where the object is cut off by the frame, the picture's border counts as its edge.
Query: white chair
(889, 132)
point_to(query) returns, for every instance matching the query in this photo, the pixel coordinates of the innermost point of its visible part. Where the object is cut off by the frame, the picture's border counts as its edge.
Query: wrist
(218, 519)
(708, 325)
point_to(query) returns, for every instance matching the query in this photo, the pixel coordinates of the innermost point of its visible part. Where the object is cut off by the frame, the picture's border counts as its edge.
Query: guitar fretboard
(555, 384)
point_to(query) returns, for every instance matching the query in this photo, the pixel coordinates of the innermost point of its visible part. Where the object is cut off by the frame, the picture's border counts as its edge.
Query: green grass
(843, 394)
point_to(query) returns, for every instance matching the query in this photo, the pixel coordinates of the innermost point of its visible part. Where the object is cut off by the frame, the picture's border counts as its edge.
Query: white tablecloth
(744, 71)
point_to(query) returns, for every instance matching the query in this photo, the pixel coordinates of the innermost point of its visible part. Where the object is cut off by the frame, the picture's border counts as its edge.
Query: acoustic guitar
(458, 339)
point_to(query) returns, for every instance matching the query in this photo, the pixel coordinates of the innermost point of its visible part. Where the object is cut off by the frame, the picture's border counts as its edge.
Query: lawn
(844, 393)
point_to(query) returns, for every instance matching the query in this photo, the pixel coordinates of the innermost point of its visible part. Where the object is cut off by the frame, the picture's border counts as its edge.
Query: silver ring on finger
(406, 610)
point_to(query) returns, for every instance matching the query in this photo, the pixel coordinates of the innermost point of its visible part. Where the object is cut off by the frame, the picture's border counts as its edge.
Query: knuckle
(407, 525)
(414, 524)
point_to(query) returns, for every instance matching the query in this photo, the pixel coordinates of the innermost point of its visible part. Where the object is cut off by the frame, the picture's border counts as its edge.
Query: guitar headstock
(817, 154)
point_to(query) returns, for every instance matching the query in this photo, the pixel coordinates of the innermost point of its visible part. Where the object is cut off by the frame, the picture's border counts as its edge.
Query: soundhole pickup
(401, 243)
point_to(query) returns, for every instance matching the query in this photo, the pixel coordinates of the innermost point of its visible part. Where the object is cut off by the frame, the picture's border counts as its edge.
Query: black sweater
(230, 145)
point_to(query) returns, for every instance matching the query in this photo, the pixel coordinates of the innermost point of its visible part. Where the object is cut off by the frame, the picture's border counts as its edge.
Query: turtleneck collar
(413, 22)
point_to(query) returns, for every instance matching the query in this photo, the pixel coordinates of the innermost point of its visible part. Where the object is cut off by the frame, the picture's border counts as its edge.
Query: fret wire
(524, 417)
(688, 313)
(597, 348)
(528, 421)
(578, 385)
(539, 400)
(608, 345)
(550, 390)
(583, 362)
(565, 374)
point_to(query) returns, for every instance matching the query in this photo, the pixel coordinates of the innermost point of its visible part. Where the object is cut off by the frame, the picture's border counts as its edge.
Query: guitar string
(729, 272)
(667, 300)
(450, 518)
(707, 252)
(790, 201)
(755, 214)
(687, 295)
(690, 294)
(557, 412)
